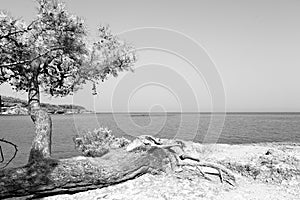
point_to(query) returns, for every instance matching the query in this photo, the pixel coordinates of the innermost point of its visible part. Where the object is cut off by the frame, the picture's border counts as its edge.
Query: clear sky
(251, 47)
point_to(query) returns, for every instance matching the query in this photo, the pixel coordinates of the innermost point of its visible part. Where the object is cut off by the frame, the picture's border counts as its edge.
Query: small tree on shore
(52, 55)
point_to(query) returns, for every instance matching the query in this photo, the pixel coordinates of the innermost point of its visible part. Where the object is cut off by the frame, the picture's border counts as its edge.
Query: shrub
(98, 142)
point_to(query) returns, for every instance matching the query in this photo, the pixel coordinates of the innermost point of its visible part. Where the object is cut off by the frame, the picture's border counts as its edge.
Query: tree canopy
(52, 53)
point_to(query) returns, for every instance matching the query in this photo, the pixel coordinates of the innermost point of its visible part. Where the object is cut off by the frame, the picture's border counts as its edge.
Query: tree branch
(17, 32)
(29, 60)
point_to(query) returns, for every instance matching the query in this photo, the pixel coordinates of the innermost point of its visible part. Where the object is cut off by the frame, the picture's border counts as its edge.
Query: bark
(34, 96)
(50, 176)
(41, 145)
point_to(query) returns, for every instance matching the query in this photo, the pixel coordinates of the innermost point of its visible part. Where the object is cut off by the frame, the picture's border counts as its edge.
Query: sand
(263, 171)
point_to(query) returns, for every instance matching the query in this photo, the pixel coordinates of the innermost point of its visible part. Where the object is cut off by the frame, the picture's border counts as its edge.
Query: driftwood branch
(1, 152)
(50, 177)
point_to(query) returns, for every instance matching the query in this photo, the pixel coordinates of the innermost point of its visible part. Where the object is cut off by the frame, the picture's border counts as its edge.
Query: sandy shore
(263, 171)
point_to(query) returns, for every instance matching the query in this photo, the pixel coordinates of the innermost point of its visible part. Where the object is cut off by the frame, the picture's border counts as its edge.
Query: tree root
(224, 174)
(230, 178)
(203, 174)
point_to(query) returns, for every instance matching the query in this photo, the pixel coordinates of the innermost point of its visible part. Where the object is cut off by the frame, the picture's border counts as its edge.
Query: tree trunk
(41, 145)
(50, 177)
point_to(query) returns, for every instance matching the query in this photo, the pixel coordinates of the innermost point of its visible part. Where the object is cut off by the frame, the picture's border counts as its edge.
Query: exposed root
(224, 174)
(203, 174)
(220, 168)
(221, 176)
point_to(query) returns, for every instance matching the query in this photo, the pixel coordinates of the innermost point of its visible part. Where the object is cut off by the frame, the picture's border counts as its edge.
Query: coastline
(75, 113)
(263, 170)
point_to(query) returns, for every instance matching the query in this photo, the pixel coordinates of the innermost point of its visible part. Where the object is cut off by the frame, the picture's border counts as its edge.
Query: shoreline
(174, 113)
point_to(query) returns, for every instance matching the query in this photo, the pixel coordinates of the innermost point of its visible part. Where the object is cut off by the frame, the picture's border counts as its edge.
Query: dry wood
(49, 176)
(220, 168)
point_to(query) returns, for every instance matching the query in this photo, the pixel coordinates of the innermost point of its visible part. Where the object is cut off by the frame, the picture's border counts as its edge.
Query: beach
(264, 171)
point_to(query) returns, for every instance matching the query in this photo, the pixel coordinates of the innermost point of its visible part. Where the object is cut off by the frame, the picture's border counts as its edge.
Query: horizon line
(230, 112)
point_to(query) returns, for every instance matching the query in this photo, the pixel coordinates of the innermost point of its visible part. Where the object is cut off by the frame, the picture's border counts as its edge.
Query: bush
(98, 142)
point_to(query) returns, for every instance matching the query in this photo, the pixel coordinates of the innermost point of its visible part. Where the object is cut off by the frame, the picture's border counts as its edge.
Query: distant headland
(16, 106)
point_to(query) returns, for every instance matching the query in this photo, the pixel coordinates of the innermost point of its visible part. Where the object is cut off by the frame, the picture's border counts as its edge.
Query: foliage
(52, 52)
(109, 56)
(98, 142)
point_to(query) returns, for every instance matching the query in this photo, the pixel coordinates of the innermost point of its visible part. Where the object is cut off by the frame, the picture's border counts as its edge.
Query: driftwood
(230, 178)
(181, 159)
(44, 176)
(49, 176)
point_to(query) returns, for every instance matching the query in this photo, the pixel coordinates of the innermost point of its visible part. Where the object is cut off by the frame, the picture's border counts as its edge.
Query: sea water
(232, 128)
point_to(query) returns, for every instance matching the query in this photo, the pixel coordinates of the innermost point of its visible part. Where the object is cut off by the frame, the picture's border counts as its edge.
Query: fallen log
(50, 176)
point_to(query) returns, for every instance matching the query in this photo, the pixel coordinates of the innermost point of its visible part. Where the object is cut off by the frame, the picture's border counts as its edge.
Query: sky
(193, 56)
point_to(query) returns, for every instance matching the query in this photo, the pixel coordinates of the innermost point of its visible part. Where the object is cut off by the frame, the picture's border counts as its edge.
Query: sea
(229, 128)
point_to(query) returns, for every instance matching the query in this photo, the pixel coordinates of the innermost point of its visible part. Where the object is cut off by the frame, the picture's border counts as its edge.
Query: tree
(52, 55)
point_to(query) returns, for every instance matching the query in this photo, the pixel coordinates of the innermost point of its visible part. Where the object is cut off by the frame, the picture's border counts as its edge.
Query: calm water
(238, 128)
